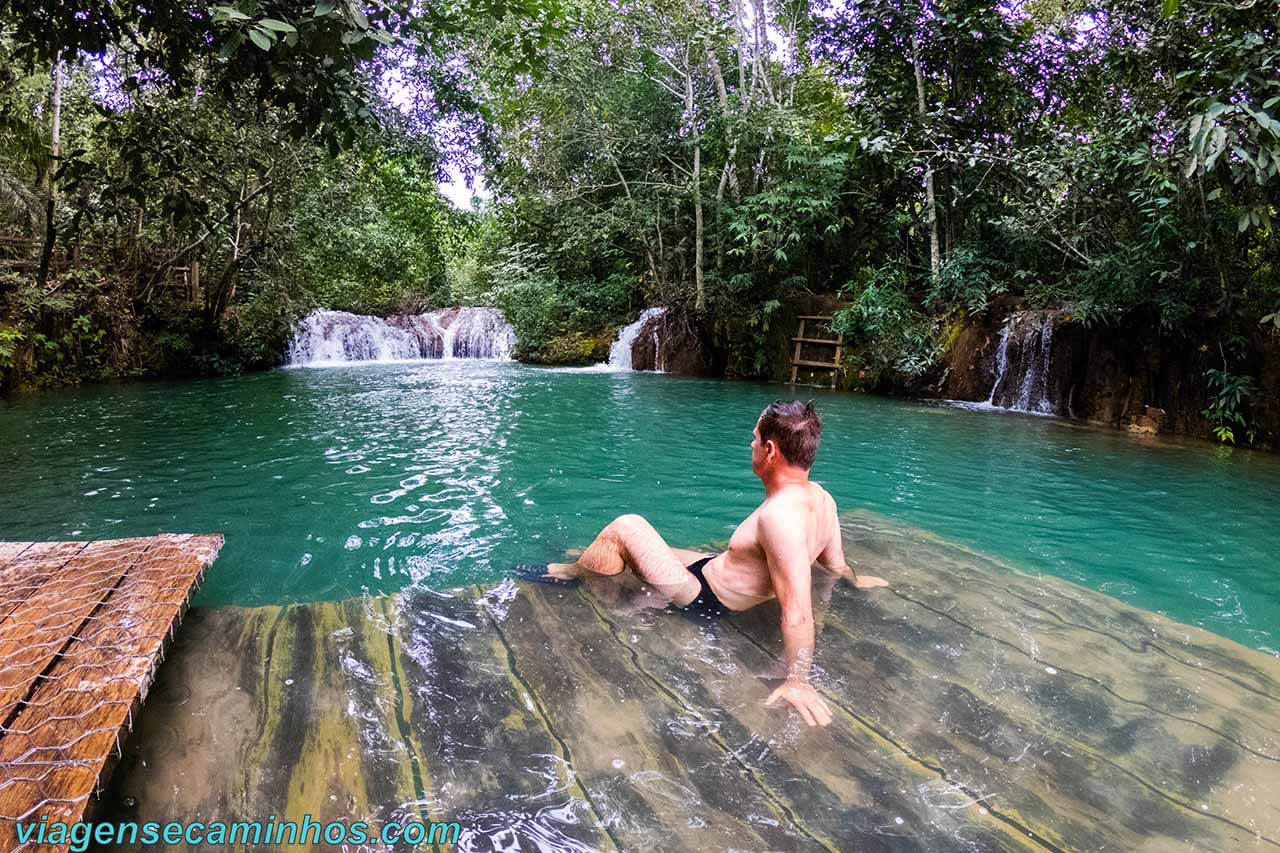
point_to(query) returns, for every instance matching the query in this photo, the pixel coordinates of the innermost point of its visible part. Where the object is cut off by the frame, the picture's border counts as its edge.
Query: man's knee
(629, 523)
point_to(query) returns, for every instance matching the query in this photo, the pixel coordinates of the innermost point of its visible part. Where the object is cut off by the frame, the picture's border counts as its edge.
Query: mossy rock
(950, 333)
(575, 348)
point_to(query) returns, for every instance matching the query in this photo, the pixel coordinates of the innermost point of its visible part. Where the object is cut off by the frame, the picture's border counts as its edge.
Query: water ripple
(330, 483)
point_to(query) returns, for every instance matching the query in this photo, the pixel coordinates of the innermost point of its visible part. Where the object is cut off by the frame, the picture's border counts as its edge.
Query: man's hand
(859, 581)
(801, 696)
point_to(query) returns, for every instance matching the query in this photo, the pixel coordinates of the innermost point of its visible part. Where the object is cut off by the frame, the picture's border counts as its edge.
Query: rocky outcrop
(670, 344)
(575, 348)
(1132, 374)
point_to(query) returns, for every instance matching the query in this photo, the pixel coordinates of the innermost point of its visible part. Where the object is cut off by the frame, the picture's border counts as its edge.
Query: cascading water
(621, 349)
(478, 333)
(337, 337)
(1024, 378)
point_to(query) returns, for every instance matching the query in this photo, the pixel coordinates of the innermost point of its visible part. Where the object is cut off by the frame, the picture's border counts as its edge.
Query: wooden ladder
(801, 339)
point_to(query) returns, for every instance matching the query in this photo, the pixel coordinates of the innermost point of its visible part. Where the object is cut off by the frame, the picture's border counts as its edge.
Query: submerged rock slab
(976, 708)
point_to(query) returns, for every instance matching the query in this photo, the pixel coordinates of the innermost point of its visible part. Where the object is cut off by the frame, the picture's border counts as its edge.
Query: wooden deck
(977, 709)
(82, 626)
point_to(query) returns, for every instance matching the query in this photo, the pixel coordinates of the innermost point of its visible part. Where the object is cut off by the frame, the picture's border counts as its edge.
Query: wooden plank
(38, 629)
(804, 363)
(824, 317)
(53, 549)
(11, 551)
(796, 356)
(93, 633)
(56, 745)
(21, 576)
(830, 341)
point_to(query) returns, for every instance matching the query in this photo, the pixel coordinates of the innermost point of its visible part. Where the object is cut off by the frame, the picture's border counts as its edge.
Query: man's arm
(832, 556)
(788, 558)
(832, 559)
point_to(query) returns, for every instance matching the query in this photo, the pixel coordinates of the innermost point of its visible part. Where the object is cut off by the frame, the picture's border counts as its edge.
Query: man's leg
(631, 542)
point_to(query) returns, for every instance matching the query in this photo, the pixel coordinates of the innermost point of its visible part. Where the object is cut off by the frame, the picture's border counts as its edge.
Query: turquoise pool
(332, 482)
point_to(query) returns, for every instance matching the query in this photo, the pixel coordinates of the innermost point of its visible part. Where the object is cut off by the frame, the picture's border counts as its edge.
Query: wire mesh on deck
(82, 627)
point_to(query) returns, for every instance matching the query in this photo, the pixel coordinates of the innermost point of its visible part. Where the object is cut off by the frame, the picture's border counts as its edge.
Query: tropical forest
(927, 166)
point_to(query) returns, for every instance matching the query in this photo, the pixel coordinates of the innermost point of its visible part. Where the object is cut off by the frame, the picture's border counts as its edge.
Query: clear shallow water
(332, 482)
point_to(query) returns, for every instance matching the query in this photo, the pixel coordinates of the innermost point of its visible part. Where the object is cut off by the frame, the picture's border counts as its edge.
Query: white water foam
(620, 350)
(327, 338)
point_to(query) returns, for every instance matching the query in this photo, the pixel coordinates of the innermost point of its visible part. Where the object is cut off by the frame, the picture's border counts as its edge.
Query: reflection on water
(332, 482)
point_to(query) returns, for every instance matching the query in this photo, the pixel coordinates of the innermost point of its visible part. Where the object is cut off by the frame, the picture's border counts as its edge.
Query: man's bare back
(770, 554)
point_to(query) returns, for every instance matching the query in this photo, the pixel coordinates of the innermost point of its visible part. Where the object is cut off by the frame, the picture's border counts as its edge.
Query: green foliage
(1121, 160)
(1228, 392)
(310, 60)
(10, 340)
(968, 278)
(754, 338)
(258, 331)
(248, 138)
(1272, 320)
(371, 234)
(545, 309)
(893, 337)
(575, 348)
(784, 216)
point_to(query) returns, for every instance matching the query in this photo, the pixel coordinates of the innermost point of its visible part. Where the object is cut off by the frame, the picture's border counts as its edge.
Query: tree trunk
(762, 48)
(218, 297)
(742, 52)
(51, 177)
(700, 297)
(930, 203)
(729, 174)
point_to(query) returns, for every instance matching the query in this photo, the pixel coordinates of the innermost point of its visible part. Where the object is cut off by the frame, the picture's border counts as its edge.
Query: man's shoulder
(827, 498)
(787, 505)
(778, 511)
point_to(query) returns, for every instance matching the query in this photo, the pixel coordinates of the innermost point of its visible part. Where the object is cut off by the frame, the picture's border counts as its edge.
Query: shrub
(892, 340)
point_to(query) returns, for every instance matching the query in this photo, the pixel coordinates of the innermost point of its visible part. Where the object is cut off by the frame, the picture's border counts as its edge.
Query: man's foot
(869, 582)
(564, 571)
(537, 573)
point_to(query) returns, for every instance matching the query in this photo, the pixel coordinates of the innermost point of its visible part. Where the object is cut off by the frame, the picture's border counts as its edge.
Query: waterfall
(478, 333)
(1024, 379)
(337, 337)
(621, 349)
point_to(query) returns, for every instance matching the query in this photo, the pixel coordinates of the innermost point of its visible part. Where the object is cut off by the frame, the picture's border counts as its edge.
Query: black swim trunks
(707, 603)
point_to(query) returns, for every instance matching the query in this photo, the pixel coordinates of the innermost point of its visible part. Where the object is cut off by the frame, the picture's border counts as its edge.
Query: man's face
(758, 455)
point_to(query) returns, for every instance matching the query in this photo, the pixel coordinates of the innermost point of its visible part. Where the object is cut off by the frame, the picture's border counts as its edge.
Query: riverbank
(1133, 375)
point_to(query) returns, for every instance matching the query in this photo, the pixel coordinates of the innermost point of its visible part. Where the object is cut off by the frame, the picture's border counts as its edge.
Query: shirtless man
(769, 556)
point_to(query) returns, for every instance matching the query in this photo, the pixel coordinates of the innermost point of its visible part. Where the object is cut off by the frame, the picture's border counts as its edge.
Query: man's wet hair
(796, 428)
